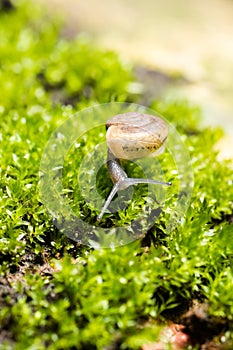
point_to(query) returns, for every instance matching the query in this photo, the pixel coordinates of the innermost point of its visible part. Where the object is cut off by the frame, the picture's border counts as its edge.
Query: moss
(55, 293)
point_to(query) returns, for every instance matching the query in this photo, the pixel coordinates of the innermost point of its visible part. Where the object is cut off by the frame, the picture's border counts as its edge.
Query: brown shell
(136, 135)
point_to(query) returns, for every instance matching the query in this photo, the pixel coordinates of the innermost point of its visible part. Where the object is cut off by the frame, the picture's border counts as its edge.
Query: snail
(130, 136)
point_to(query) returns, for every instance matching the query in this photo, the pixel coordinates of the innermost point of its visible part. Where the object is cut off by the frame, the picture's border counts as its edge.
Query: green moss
(56, 294)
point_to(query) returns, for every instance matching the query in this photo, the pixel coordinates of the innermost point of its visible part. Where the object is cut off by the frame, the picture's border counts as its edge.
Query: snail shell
(136, 135)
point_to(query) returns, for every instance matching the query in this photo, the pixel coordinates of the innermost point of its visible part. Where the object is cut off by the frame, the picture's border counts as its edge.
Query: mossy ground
(57, 294)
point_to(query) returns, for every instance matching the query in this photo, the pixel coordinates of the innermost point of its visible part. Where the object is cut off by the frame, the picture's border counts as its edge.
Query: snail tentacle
(108, 201)
(135, 181)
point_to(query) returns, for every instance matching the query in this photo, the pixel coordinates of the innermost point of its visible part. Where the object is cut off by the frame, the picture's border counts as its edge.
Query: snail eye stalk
(123, 184)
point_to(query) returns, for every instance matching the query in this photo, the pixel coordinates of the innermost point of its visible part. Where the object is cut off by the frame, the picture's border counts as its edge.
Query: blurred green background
(192, 39)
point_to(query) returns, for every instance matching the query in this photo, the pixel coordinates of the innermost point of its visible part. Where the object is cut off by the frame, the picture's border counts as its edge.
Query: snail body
(130, 136)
